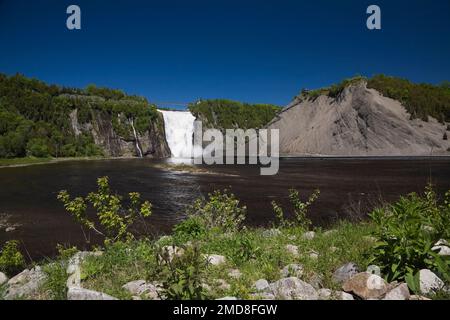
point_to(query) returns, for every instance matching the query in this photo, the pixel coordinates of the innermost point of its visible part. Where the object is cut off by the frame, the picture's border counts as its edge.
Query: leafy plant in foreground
(192, 228)
(407, 232)
(220, 210)
(114, 218)
(182, 275)
(11, 260)
(300, 210)
(245, 249)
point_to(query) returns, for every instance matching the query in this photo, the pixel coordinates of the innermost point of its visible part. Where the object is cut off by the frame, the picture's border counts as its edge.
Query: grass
(54, 287)
(15, 162)
(259, 254)
(120, 263)
(334, 90)
(254, 254)
(23, 161)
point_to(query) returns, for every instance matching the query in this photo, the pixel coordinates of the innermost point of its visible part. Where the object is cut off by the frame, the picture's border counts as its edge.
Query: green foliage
(38, 147)
(106, 93)
(113, 217)
(421, 100)
(35, 117)
(407, 231)
(413, 281)
(55, 284)
(245, 248)
(11, 260)
(260, 257)
(300, 210)
(334, 90)
(220, 210)
(182, 275)
(227, 114)
(120, 263)
(193, 228)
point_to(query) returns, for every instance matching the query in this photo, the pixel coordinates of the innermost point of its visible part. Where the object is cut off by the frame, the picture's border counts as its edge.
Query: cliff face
(152, 142)
(358, 122)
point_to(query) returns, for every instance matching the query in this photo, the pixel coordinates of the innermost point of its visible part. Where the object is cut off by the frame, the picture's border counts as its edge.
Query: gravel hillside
(358, 122)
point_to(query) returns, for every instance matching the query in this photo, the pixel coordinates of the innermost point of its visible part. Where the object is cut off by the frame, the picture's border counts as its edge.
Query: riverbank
(349, 188)
(211, 255)
(30, 161)
(258, 264)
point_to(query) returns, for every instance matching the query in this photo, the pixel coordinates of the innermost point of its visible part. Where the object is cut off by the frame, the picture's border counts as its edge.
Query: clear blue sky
(254, 51)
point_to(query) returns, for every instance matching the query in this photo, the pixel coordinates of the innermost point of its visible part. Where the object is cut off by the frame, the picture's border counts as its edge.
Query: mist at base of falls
(179, 127)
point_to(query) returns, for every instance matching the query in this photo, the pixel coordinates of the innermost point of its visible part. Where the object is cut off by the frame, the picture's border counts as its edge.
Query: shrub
(55, 283)
(226, 114)
(38, 147)
(220, 210)
(332, 91)
(420, 99)
(189, 229)
(244, 249)
(300, 210)
(113, 217)
(406, 233)
(182, 276)
(11, 260)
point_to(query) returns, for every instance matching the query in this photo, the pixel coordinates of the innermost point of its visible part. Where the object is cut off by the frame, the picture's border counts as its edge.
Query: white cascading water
(136, 139)
(179, 126)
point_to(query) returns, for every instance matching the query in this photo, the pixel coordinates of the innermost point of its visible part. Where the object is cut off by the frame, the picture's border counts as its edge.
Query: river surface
(349, 187)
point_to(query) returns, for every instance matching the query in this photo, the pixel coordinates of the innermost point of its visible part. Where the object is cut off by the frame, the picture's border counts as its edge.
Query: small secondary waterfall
(179, 126)
(136, 139)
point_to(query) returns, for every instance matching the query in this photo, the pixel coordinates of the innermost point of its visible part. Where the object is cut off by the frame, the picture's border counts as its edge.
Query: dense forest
(35, 117)
(420, 99)
(227, 114)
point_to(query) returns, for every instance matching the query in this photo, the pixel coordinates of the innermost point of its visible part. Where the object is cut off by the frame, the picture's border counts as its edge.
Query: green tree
(113, 217)
(38, 147)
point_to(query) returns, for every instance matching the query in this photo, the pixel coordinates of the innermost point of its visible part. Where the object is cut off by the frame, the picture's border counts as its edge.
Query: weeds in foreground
(407, 231)
(113, 217)
(219, 210)
(182, 275)
(55, 285)
(11, 259)
(300, 210)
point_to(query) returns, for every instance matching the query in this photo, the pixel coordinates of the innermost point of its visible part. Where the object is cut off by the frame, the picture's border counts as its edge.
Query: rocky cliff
(42, 121)
(357, 122)
(117, 137)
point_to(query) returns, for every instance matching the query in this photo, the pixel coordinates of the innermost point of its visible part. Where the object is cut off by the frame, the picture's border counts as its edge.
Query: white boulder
(85, 294)
(429, 282)
(215, 259)
(293, 289)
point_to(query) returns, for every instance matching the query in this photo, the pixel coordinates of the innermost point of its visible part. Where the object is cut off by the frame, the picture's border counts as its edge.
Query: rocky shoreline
(353, 283)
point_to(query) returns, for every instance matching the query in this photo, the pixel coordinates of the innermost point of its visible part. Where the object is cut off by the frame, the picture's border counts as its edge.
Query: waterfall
(136, 139)
(179, 127)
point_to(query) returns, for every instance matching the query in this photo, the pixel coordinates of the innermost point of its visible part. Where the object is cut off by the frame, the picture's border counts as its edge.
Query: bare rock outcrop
(152, 142)
(358, 122)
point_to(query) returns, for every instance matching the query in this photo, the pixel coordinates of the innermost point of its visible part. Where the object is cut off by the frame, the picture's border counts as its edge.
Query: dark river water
(349, 188)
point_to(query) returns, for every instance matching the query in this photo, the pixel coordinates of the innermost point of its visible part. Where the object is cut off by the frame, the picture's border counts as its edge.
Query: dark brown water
(348, 187)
